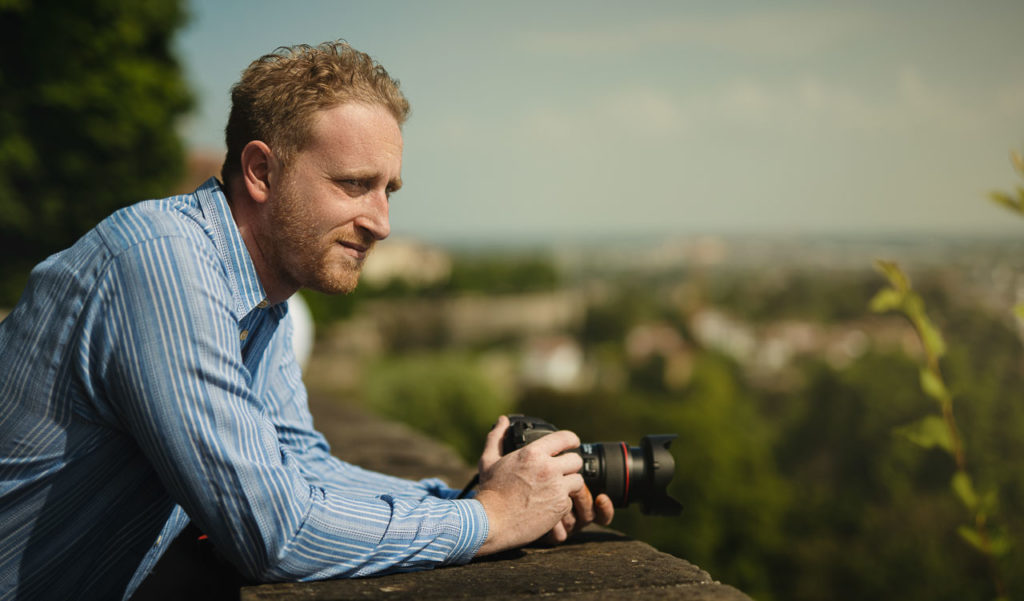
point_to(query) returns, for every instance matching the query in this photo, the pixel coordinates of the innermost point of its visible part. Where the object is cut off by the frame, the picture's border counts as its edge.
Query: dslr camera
(626, 474)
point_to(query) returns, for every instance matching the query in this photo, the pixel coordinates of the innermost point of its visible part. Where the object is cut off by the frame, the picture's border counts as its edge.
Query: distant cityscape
(984, 273)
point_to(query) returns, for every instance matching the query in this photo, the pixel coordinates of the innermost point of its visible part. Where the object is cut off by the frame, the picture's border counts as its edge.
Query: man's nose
(374, 217)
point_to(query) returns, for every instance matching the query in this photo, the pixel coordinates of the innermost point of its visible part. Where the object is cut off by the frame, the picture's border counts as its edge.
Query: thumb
(492, 446)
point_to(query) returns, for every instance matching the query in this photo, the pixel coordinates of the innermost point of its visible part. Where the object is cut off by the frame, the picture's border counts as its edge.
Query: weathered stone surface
(598, 564)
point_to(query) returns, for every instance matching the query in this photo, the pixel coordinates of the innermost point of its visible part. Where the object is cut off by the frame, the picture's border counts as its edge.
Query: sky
(541, 121)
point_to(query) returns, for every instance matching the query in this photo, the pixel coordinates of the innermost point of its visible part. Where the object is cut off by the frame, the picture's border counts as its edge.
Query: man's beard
(302, 252)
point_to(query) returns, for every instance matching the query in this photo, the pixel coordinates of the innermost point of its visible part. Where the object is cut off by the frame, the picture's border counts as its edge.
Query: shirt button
(243, 335)
(263, 304)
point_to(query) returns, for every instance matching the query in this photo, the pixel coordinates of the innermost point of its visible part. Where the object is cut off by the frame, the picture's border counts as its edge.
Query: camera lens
(629, 474)
(626, 474)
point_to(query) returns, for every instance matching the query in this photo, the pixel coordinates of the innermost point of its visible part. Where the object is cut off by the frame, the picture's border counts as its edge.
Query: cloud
(636, 113)
(904, 101)
(804, 101)
(809, 104)
(780, 34)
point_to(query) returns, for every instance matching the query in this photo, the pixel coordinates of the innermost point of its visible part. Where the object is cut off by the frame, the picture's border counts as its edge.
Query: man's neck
(246, 215)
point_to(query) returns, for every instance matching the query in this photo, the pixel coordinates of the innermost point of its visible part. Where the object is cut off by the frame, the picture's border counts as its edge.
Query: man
(148, 378)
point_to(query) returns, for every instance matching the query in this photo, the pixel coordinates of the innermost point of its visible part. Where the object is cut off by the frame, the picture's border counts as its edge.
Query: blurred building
(554, 362)
(414, 263)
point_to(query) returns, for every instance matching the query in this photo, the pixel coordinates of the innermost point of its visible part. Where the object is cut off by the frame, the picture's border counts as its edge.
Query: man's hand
(535, 490)
(585, 510)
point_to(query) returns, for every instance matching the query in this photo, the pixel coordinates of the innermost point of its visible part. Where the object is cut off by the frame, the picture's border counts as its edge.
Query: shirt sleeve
(178, 383)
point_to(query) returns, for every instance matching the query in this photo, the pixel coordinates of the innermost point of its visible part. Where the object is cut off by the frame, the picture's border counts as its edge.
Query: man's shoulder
(149, 220)
(128, 236)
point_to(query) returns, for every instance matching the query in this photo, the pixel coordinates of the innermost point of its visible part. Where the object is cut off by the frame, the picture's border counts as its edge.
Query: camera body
(626, 474)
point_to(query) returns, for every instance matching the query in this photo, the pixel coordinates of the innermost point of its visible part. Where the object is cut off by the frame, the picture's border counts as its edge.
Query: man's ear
(256, 166)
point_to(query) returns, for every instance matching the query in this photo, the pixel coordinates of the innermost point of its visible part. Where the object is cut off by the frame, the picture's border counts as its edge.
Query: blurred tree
(772, 295)
(497, 273)
(90, 96)
(725, 475)
(446, 395)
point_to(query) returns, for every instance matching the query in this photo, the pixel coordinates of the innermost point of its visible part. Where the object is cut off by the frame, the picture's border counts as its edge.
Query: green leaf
(931, 338)
(891, 270)
(988, 502)
(928, 432)
(932, 385)
(963, 488)
(972, 537)
(999, 544)
(913, 306)
(1019, 311)
(887, 299)
(1007, 201)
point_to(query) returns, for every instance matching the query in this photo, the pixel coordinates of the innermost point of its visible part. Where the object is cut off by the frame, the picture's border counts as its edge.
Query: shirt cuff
(473, 532)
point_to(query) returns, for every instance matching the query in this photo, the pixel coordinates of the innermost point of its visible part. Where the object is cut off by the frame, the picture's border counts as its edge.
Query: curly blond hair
(279, 93)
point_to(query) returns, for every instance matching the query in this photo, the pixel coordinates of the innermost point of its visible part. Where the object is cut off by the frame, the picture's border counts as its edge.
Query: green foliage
(328, 308)
(901, 297)
(768, 295)
(872, 517)
(928, 432)
(1013, 201)
(732, 494)
(941, 430)
(448, 396)
(91, 97)
(489, 273)
(502, 273)
(611, 319)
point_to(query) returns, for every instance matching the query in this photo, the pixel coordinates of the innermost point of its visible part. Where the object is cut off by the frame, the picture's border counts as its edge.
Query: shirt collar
(245, 283)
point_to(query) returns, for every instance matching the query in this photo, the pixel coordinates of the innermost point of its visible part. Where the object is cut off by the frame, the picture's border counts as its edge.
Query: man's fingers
(570, 463)
(575, 483)
(568, 524)
(583, 505)
(492, 446)
(604, 510)
(556, 443)
(558, 534)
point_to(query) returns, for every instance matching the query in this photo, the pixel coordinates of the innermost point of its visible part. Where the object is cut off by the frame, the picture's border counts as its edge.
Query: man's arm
(181, 389)
(295, 429)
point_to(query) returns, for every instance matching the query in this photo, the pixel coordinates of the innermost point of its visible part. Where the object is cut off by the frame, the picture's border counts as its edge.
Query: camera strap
(472, 484)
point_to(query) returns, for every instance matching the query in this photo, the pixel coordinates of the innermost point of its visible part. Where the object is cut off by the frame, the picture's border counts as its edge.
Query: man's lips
(356, 250)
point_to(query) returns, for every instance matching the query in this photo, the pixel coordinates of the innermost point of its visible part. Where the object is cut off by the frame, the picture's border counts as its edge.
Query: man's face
(329, 205)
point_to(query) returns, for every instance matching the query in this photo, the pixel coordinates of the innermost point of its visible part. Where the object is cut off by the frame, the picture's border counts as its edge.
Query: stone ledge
(597, 564)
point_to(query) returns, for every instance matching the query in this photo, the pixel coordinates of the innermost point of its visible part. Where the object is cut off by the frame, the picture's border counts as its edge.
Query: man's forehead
(361, 140)
(357, 116)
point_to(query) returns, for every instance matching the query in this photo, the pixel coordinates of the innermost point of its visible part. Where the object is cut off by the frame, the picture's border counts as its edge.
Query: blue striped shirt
(146, 382)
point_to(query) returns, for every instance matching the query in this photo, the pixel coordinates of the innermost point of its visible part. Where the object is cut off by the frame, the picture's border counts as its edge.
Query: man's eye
(353, 186)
